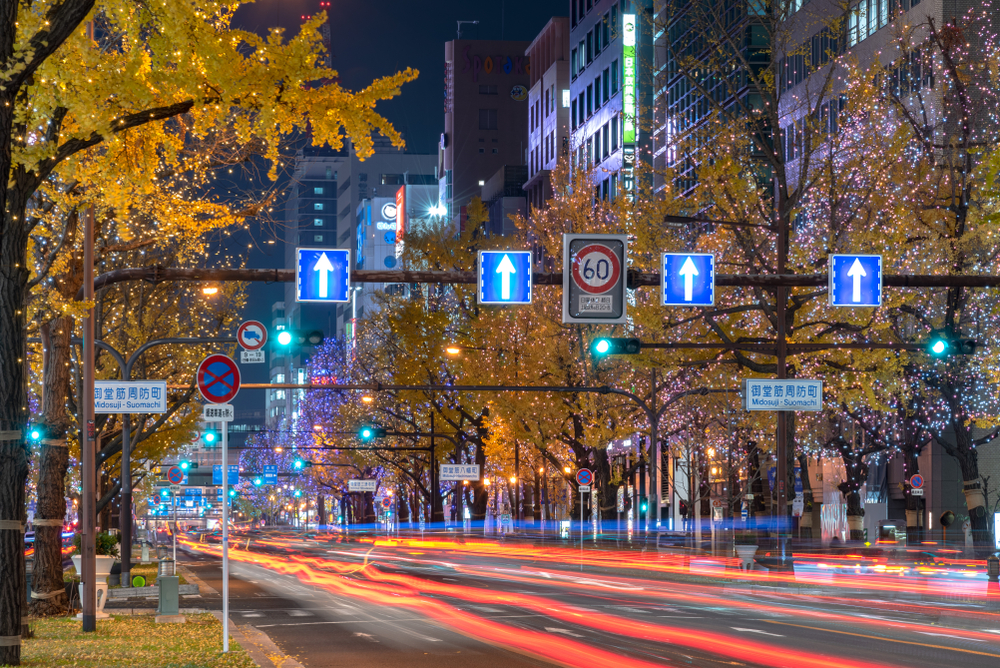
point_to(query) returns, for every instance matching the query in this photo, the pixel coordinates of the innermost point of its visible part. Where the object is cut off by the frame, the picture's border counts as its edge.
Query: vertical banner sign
(400, 213)
(594, 278)
(629, 104)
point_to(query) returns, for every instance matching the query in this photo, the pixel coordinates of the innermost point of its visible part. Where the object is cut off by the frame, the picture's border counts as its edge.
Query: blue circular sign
(916, 481)
(390, 261)
(584, 477)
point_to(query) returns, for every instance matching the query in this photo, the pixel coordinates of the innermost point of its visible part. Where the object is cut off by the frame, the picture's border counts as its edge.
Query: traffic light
(186, 465)
(368, 434)
(300, 464)
(940, 344)
(643, 504)
(609, 346)
(297, 493)
(288, 338)
(210, 437)
(232, 493)
(257, 482)
(35, 434)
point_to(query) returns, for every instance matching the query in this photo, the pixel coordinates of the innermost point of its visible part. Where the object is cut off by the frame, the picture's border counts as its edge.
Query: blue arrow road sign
(855, 280)
(504, 277)
(322, 275)
(688, 279)
(270, 474)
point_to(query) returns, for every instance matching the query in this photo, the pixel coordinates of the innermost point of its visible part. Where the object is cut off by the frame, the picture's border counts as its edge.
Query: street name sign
(130, 396)
(322, 275)
(252, 335)
(504, 277)
(855, 280)
(456, 472)
(232, 479)
(270, 474)
(362, 485)
(594, 278)
(218, 379)
(761, 394)
(688, 279)
(218, 413)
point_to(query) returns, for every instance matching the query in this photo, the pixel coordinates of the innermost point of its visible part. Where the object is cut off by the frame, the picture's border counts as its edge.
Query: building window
(317, 206)
(496, 150)
(318, 238)
(597, 39)
(590, 47)
(581, 53)
(546, 103)
(604, 140)
(606, 29)
(330, 174)
(572, 121)
(565, 98)
(613, 188)
(318, 222)
(606, 85)
(572, 63)
(597, 146)
(487, 90)
(597, 92)
(482, 150)
(590, 100)
(488, 119)
(614, 77)
(614, 135)
(317, 191)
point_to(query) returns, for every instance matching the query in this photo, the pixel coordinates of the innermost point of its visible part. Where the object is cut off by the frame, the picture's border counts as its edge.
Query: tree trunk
(482, 493)
(48, 592)
(855, 516)
(805, 522)
(975, 499)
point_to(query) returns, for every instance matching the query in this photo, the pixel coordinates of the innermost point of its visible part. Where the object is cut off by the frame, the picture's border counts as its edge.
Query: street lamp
(453, 350)
(210, 290)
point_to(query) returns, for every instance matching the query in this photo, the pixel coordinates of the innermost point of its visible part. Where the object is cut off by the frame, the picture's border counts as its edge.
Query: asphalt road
(545, 606)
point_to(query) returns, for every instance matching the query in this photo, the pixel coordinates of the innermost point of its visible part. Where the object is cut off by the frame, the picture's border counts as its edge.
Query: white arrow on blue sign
(855, 280)
(322, 275)
(504, 277)
(688, 279)
(270, 474)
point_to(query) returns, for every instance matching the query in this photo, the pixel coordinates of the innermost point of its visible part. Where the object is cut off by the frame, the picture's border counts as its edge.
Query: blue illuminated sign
(234, 474)
(322, 275)
(270, 474)
(688, 279)
(504, 277)
(855, 280)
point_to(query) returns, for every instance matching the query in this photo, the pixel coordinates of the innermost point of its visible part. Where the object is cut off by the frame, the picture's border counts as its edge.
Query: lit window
(318, 222)
(317, 206)
(565, 99)
(317, 191)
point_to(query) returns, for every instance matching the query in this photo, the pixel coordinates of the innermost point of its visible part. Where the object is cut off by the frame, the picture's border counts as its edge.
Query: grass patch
(127, 641)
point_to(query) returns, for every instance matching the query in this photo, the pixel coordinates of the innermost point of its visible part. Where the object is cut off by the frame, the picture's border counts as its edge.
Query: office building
(548, 108)
(610, 91)
(485, 118)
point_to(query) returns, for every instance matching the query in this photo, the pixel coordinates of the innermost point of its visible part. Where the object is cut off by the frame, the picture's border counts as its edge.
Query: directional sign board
(130, 396)
(175, 475)
(688, 279)
(456, 472)
(855, 280)
(594, 278)
(322, 275)
(218, 379)
(584, 477)
(252, 335)
(233, 477)
(760, 394)
(362, 485)
(504, 277)
(270, 474)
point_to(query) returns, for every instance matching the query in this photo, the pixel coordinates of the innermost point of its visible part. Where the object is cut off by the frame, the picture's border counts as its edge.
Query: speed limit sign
(594, 278)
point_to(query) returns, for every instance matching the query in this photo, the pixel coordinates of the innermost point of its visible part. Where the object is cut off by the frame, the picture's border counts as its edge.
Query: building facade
(548, 108)
(610, 91)
(485, 118)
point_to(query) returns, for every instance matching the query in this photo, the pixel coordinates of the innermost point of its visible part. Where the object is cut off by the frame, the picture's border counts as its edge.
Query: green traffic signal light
(939, 347)
(35, 434)
(298, 493)
(615, 346)
(644, 504)
(210, 437)
(185, 466)
(258, 482)
(285, 338)
(371, 433)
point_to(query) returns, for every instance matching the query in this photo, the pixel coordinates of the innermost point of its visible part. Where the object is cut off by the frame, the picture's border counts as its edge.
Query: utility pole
(88, 476)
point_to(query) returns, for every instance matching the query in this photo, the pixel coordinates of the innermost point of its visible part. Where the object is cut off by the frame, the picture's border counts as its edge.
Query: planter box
(143, 592)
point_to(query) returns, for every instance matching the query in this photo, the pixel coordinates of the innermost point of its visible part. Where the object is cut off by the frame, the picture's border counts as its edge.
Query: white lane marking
(375, 621)
(563, 631)
(948, 635)
(413, 633)
(763, 633)
(366, 636)
(252, 614)
(300, 613)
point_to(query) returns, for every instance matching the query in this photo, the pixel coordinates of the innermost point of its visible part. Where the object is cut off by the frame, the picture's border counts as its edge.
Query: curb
(259, 645)
(141, 592)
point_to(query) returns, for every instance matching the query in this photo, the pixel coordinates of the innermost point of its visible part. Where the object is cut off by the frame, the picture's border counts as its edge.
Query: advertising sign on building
(400, 213)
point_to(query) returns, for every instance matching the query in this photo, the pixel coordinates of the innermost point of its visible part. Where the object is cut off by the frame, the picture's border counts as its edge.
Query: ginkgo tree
(74, 74)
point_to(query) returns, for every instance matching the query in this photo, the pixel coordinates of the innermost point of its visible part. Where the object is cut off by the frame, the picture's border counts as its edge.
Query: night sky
(371, 39)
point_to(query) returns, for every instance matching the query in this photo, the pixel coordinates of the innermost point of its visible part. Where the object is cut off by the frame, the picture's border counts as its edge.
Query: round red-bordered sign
(175, 475)
(596, 269)
(584, 477)
(916, 481)
(387, 502)
(252, 335)
(218, 379)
